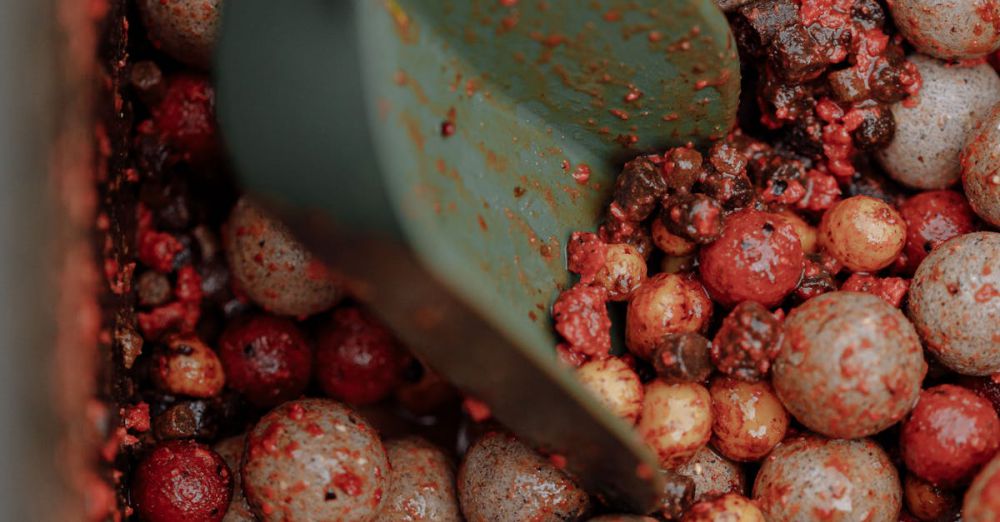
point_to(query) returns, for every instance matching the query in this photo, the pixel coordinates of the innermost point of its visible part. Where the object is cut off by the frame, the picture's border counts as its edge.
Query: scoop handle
(289, 105)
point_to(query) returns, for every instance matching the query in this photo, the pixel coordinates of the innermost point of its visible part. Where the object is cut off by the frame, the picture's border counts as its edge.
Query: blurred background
(33, 44)
(49, 424)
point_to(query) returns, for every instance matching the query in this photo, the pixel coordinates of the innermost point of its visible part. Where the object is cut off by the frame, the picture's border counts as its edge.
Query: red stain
(478, 410)
(349, 483)
(618, 113)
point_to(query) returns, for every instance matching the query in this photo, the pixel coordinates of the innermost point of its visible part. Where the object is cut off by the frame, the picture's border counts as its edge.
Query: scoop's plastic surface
(481, 113)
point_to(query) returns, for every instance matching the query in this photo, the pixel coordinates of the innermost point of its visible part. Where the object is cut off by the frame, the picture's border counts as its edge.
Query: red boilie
(267, 359)
(758, 258)
(182, 481)
(932, 218)
(949, 435)
(357, 360)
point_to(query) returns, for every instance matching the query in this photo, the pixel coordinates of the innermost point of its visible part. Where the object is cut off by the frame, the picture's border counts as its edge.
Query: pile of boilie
(811, 304)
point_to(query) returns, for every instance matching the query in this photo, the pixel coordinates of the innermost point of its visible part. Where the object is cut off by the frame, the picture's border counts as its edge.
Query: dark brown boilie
(677, 495)
(817, 277)
(638, 189)
(188, 419)
(682, 357)
(695, 217)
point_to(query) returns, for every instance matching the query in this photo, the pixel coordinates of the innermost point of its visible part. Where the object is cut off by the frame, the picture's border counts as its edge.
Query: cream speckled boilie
(314, 459)
(949, 29)
(748, 418)
(676, 420)
(231, 450)
(623, 270)
(850, 365)
(930, 135)
(502, 480)
(955, 303)
(665, 304)
(981, 167)
(863, 233)
(185, 29)
(812, 478)
(272, 267)
(421, 484)
(187, 366)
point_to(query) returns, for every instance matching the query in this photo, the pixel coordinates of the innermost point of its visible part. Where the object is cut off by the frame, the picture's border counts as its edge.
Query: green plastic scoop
(499, 127)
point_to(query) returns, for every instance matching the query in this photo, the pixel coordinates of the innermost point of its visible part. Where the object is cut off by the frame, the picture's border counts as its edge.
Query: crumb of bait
(581, 317)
